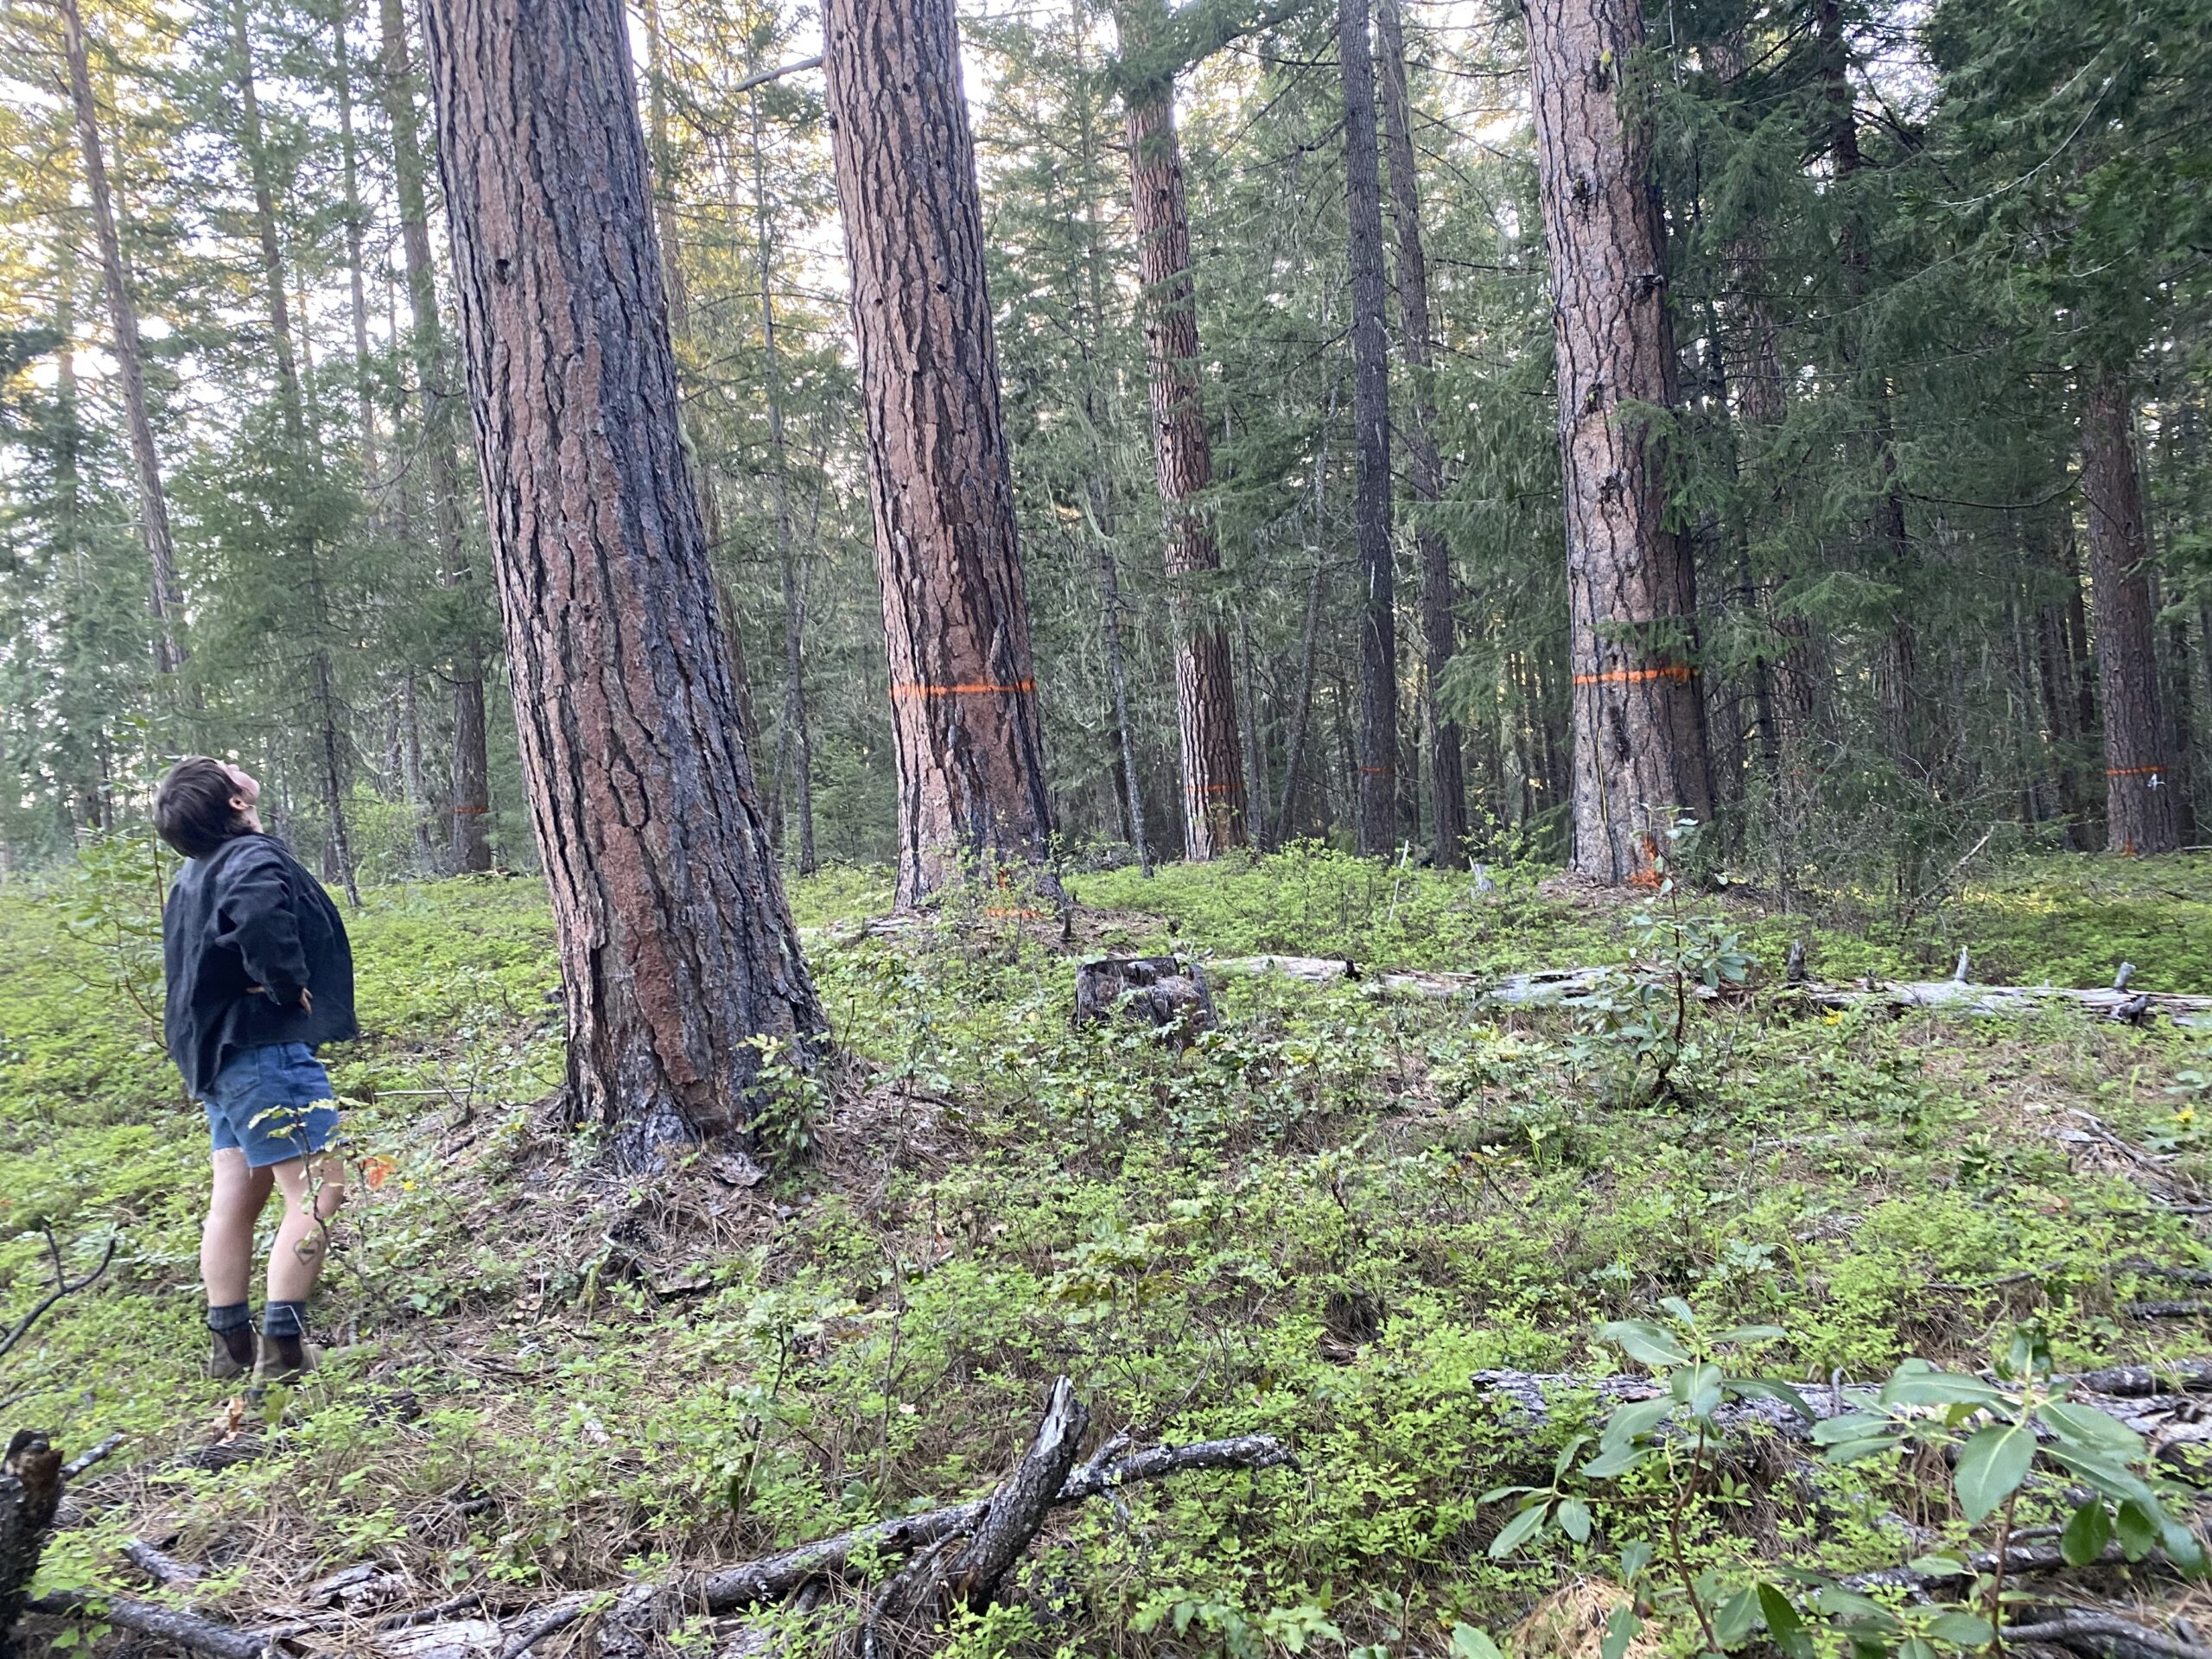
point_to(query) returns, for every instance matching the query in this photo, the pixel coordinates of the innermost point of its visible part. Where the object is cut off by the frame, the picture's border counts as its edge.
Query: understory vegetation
(1324, 1220)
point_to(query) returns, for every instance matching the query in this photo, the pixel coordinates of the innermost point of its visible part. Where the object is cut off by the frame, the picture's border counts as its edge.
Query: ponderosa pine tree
(1440, 626)
(1639, 721)
(2139, 770)
(1215, 814)
(677, 949)
(332, 750)
(439, 438)
(165, 602)
(956, 616)
(1371, 410)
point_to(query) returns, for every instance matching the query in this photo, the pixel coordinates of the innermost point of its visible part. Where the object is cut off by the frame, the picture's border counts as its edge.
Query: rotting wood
(1166, 993)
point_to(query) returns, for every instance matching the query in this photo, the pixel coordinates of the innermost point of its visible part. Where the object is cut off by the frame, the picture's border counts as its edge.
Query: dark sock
(285, 1324)
(233, 1323)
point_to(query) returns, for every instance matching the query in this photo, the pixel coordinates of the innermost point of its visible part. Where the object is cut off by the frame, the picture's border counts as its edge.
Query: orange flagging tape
(1637, 675)
(974, 688)
(1215, 789)
(1376, 771)
(2132, 772)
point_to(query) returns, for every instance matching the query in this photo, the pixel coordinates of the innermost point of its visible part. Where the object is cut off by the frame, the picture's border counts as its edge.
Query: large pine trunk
(1370, 403)
(677, 948)
(2139, 772)
(1639, 722)
(166, 604)
(1440, 630)
(471, 847)
(1215, 814)
(955, 620)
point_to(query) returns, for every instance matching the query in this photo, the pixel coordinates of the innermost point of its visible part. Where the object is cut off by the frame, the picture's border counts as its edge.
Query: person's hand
(306, 1001)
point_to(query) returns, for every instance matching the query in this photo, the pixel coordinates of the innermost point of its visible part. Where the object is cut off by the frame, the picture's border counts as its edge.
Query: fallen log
(957, 1544)
(187, 1631)
(1577, 987)
(775, 1576)
(2168, 1422)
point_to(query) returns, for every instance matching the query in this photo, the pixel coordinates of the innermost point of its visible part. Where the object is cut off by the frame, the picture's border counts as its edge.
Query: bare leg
(227, 1242)
(313, 1189)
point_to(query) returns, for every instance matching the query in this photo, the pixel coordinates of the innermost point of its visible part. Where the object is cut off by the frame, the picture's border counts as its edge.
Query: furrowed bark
(1215, 812)
(2138, 774)
(1377, 794)
(1439, 629)
(677, 945)
(1639, 747)
(955, 618)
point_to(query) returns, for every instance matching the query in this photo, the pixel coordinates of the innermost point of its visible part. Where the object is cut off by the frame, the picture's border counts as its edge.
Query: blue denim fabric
(274, 1103)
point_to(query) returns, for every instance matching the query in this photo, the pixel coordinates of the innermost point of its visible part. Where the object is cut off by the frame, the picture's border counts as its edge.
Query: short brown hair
(192, 807)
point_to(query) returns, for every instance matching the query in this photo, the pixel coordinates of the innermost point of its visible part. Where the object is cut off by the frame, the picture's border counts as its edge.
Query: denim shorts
(273, 1104)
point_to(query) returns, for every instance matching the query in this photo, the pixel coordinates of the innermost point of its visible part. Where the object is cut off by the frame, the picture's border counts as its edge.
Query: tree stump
(1164, 993)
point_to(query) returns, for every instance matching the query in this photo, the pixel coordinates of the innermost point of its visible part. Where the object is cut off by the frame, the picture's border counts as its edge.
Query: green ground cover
(1321, 1222)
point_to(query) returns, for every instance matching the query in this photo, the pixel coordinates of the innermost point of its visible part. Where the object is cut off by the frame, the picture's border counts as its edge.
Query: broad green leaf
(1852, 1425)
(2087, 1534)
(1962, 1630)
(2182, 1545)
(1496, 1493)
(1850, 1604)
(1991, 1466)
(1733, 1617)
(1644, 1343)
(1697, 1387)
(1631, 1420)
(1938, 1566)
(2089, 1430)
(1766, 1388)
(1517, 1532)
(1853, 1451)
(1783, 1621)
(1634, 1558)
(1468, 1643)
(1932, 1388)
(1574, 1519)
(2138, 1530)
(1620, 1630)
(2121, 1485)
(1915, 1646)
(1681, 1309)
(1606, 1465)
(1565, 1458)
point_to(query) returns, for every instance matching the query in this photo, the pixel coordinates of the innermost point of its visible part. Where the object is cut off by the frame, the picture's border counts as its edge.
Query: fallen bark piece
(187, 1631)
(459, 1638)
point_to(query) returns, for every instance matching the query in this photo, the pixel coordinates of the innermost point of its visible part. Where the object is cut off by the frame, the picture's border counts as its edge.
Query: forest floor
(1321, 1222)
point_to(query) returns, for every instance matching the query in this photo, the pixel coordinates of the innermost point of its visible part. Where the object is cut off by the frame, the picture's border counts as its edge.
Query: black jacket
(244, 930)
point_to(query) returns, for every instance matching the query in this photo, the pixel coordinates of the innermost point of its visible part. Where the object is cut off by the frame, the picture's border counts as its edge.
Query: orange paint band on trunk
(1637, 675)
(2133, 771)
(1215, 789)
(973, 688)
